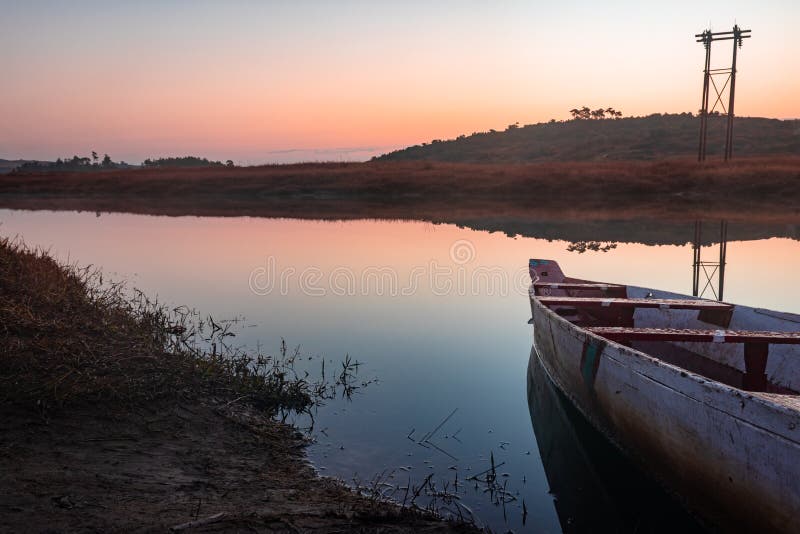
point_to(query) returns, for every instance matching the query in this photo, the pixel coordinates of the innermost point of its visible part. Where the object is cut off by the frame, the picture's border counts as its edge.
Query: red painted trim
(675, 334)
(573, 285)
(599, 302)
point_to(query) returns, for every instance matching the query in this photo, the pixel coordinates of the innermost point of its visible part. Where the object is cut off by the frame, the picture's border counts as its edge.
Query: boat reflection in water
(594, 488)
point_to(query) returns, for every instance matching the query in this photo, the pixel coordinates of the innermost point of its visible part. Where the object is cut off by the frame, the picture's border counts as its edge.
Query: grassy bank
(758, 189)
(71, 338)
(118, 414)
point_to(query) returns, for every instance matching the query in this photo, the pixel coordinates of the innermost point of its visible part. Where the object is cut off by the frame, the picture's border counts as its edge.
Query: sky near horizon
(311, 80)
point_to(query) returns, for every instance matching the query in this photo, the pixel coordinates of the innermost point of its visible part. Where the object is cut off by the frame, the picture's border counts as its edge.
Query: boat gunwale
(577, 331)
(560, 340)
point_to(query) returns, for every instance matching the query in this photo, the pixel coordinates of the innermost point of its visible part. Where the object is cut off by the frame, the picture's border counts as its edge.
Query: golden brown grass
(760, 187)
(68, 336)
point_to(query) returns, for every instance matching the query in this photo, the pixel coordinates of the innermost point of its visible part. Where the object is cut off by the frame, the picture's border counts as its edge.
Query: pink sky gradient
(251, 80)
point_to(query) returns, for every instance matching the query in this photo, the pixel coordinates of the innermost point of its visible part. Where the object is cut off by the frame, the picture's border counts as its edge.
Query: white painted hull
(732, 456)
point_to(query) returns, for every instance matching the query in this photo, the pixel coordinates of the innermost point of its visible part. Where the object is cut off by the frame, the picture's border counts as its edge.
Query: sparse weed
(69, 335)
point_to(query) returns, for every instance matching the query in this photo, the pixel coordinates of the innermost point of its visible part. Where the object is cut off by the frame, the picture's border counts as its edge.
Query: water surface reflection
(594, 487)
(459, 342)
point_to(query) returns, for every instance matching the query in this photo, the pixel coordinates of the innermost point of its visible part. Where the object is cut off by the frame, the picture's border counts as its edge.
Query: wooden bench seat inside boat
(790, 401)
(576, 285)
(756, 345)
(680, 334)
(672, 304)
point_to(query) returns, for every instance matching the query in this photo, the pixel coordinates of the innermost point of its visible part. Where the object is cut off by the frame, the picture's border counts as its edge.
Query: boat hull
(730, 456)
(595, 488)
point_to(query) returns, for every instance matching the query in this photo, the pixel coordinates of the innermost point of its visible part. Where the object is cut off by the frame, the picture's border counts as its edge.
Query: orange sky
(246, 80)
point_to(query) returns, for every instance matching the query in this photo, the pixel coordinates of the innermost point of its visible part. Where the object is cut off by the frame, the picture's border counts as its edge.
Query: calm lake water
(437, 315)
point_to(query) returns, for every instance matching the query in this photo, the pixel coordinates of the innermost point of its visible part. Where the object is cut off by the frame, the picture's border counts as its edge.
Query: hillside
(635, 138)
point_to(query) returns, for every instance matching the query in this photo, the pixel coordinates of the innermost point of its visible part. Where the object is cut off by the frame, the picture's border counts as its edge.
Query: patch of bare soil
(208, 466)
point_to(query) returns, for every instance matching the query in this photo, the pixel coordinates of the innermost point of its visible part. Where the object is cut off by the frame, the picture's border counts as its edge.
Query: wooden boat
(703, 395)
(594, 486)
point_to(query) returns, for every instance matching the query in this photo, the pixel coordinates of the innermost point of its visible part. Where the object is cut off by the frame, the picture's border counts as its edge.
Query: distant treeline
(95, 163)
(75, 163)
(185, 161)
(585, 113)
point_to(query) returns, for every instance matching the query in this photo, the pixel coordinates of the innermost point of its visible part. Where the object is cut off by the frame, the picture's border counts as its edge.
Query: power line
(737, 35)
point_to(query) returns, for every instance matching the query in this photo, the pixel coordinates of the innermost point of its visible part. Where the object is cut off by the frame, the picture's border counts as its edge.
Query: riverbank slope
(111, 420)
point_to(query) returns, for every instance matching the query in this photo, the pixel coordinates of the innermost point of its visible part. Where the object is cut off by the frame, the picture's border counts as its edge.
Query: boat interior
(734, 345)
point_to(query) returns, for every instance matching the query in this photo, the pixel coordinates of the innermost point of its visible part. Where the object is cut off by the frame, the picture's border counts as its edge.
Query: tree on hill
(585, 113)
(598, 113)
(581, 114)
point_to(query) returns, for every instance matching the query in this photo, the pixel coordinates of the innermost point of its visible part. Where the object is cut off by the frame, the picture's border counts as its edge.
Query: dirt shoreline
(160, 466)
(112, 421)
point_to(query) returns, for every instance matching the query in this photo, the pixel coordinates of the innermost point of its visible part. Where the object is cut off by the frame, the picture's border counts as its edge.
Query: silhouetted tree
(107, 161)
(596, 114)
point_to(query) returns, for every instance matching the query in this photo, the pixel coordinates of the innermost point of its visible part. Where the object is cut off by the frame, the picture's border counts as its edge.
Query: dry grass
(756, 188)
(113, 419)
(68, 336)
